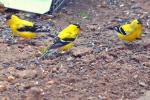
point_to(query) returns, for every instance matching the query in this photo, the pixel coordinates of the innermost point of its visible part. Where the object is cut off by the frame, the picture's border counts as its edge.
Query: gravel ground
(98, 67)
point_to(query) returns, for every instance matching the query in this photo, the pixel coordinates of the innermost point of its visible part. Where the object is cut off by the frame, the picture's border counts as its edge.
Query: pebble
(35, 93)
(80, 51)
(142, 84)
(146, 96)
(2, 88)
(51, 82)
(26, 74)
(10, 78)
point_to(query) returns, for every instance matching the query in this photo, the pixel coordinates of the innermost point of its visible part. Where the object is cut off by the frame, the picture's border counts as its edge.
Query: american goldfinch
(23, 28)
(129, 31)
(64, 40)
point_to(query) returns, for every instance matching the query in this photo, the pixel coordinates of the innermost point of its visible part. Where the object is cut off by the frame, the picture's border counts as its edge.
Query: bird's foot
(127, 44)
(35, 61)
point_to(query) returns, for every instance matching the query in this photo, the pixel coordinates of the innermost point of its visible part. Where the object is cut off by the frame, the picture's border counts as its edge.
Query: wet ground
(98, 67)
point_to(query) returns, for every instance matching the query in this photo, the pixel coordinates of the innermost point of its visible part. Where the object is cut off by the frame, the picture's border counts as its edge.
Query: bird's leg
(30, 42)
(44, 55)
(128, 44)
(59, 53)
(141, 47)
(35, 61)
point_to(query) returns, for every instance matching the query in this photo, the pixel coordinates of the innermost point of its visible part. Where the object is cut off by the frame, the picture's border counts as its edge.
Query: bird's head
(137, 23)
(77, 27)
(73, 29)
(11, 17)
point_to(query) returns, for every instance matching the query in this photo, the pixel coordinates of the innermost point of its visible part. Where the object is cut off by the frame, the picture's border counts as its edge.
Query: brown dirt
(98, 67)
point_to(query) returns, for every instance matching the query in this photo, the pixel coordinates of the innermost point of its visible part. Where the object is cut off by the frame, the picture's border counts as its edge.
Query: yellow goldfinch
(129, 31)
(64, 39)
(23, 28)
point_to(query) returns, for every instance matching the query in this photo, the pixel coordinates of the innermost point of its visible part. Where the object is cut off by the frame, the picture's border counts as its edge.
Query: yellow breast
(27, 35)
(131, 36)
(132, 33)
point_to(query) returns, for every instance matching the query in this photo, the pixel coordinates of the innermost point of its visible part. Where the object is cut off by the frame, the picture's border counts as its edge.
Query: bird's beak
(139, 21)
(81, 29)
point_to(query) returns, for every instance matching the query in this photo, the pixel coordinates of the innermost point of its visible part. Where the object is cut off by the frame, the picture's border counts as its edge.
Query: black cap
(78, 26)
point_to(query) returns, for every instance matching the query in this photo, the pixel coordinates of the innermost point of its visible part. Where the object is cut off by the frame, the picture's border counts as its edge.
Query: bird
(64, 40)
(24, 28)
(129, 31)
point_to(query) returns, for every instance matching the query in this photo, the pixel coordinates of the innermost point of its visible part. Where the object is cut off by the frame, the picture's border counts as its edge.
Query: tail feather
(47, 51)
(110, 28)
(117, 29)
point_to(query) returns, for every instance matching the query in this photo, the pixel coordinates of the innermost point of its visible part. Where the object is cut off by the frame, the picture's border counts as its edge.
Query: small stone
(2, 88)
(1, 68)
(47, 17)
(147, 64)
(10, 78)
(135, 76)
(93, 27)
(11, 69)
(54, 70)
(36, 83)
(88, 58)
(140, 58)
(146, 96)
(80, 51)
(20, 86)
(69, 58)
(5, 98)
(121, 5)
(5, 65)
(35, 94)
(143, 84)
(91, 98)
(51, 82)
(100, 97)
(26, 73)
(136, 6)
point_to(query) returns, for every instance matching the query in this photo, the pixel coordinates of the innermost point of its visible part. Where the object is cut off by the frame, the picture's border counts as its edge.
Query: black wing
(34, 28)
(56, 44)
(118, 29)
(61, 42)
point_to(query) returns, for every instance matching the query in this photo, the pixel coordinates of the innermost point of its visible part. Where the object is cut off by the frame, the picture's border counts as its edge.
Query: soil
(98, 67)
